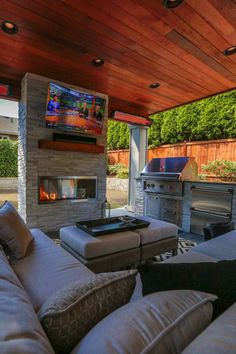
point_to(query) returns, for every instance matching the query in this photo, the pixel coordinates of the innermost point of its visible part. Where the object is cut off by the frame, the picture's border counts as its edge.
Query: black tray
(110, 225)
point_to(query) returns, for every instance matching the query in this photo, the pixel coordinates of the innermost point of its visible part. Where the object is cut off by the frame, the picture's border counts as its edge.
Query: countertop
(217, 181)
(214, 181)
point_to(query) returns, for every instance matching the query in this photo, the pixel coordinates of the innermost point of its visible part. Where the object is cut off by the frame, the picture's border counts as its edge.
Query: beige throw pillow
(160, 323)
(72, 311)
(14, 234)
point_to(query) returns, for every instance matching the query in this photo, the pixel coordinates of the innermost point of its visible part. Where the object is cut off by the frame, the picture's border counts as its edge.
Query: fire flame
(46, 196)
(52, 196)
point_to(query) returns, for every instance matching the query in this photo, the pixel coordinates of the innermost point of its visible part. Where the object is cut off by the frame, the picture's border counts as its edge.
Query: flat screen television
(74, 111)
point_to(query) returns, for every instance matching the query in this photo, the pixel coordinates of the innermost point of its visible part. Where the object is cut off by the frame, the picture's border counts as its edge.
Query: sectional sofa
(48, 298)
(214, 265)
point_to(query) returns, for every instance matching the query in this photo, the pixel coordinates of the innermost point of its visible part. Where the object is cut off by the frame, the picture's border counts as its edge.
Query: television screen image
(74, 111)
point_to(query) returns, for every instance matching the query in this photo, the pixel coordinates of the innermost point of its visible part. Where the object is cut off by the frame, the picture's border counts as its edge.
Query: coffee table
(112, 252)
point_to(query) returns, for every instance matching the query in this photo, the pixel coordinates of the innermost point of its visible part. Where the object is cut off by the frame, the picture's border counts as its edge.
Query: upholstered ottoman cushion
(92, 247)
(157, 230)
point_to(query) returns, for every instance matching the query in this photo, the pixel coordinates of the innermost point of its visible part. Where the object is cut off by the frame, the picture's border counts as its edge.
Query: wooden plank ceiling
(140, 41)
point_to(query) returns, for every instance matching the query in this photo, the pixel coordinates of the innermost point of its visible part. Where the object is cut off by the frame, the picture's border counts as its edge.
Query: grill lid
(171, 167)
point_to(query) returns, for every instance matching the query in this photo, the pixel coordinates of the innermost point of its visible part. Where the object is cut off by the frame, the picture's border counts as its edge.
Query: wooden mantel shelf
(70, 146)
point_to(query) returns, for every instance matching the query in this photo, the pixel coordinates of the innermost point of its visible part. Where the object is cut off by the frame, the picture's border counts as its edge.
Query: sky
(8, 108)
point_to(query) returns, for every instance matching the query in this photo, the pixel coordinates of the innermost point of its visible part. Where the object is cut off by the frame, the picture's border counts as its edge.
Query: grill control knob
(148, 185)
(152, 185)
(162, 186)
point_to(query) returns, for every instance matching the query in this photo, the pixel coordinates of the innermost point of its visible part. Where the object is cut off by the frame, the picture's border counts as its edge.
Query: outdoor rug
(183, 246)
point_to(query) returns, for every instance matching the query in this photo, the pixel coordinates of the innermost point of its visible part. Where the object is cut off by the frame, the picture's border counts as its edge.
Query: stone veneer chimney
(35, 162)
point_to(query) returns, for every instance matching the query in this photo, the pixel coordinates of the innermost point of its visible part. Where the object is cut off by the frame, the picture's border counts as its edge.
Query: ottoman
(157, 238)
(104, 253)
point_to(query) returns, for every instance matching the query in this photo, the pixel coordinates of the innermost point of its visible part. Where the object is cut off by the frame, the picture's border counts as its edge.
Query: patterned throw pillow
(72, 311)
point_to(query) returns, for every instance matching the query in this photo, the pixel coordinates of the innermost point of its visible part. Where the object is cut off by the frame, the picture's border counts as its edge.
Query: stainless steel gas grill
(163, 187)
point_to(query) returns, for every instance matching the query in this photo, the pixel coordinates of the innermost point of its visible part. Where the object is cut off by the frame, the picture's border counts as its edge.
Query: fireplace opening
(52, 189)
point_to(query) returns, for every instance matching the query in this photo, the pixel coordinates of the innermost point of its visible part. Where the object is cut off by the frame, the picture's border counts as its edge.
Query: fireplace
(79, 188)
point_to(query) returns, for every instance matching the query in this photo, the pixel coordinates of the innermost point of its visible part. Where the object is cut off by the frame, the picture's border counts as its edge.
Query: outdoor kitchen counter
(215, 181)
(228, 188)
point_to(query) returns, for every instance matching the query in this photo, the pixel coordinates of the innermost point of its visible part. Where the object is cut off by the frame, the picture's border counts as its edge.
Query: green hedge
(118, 170)
(8, 158)
(117, 135)
(208, 119)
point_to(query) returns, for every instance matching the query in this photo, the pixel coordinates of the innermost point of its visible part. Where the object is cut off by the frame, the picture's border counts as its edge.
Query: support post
(137, 160)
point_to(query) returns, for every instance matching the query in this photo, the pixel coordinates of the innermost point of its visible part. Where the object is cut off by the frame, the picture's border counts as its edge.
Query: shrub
(113, 169)
(222, 168)
(8, 158)
(123, 173)
(118, 170)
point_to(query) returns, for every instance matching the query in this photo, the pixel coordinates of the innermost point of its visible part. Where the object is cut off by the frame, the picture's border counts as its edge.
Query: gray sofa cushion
(218, 338)
(191, 257)
(20, 329)
(47, 268)
(158, 323)
(222, 247)
(14, 234)
(72, 311)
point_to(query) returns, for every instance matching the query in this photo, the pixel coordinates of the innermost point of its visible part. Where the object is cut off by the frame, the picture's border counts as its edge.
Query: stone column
(137, 160)
(35, 162)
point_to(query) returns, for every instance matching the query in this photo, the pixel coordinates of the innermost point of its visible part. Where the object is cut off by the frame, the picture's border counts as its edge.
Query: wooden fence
(203, 151)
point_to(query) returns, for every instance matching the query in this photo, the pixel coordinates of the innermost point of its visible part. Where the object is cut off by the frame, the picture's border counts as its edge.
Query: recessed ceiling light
(9, 27)
(97, 62)
(154, 85)
(230, 50)
(170, 4)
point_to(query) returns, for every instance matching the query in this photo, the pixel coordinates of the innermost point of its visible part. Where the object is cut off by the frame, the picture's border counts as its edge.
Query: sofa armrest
(20, 329)
(217, 338)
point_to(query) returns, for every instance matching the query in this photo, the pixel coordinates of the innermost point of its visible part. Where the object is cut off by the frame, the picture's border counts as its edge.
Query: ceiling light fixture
(230, 50)
(97, 62)
(154, 85)
(171, 4)
(9, 27)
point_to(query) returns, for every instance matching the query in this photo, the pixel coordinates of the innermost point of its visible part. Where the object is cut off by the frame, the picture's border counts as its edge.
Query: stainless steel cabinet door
(199, 219)
(152, 205)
